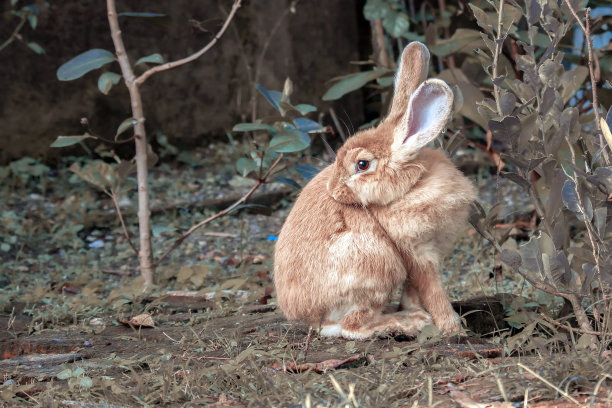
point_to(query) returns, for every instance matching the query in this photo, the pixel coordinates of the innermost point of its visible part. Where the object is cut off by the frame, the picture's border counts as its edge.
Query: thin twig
(125, 230)
(579, 312)
(15, 34)
(591, 235)
(551, 385)
(498, 45)
(213, 358)
(451, 59)
(169, 65)
(568, 327)
(587, 38)
(262, 54)
(229, 209)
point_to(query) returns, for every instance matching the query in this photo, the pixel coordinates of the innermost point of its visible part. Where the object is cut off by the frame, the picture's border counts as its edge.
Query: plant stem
(498, 46)
(594, 245)
(229, 209)
(587, 38)
(125, 230)
(262, 54)
(169, 65)
(14, 35)
(145, 254)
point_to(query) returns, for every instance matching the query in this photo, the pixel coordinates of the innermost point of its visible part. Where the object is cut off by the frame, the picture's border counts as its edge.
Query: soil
(77, 328)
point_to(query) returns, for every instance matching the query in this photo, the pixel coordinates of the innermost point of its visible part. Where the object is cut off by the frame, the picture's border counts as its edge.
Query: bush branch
(587, 38)
(498, 46)
(221, 213)
(169, 65)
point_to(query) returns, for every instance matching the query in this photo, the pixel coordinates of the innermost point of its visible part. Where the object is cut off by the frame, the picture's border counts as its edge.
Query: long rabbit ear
(429, 108)
(411, 72)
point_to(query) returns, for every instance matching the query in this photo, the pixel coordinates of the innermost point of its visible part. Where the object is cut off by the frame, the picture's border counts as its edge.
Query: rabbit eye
(363, 165)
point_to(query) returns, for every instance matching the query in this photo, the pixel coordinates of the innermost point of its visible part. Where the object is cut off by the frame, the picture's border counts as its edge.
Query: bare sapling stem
(145, 254)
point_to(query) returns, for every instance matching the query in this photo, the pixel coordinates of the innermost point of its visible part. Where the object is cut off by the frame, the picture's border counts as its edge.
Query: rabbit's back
(429, 217)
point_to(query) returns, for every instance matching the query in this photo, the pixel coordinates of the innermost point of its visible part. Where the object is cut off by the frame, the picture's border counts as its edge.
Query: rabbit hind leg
(410, 297)
(362, 324)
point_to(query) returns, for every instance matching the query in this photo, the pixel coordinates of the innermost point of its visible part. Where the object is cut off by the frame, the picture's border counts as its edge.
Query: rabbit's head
(378, 165)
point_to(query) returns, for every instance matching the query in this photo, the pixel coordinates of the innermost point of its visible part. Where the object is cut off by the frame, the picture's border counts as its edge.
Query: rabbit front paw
(449, 325)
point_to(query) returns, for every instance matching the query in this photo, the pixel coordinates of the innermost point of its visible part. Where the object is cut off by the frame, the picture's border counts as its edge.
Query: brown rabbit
(382, 214)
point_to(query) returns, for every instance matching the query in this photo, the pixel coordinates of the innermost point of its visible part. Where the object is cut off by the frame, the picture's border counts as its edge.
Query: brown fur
(353, 236)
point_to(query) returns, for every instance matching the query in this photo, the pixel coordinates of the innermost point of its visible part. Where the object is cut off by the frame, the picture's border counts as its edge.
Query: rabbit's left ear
(429, 109)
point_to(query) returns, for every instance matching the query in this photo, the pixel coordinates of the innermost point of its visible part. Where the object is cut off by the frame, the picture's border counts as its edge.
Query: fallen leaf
(142, 320)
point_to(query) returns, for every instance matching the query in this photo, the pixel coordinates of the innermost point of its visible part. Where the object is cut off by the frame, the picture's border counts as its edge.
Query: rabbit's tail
(363, 323)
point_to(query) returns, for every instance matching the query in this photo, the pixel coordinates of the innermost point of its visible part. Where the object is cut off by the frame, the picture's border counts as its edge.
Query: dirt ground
(77, 329)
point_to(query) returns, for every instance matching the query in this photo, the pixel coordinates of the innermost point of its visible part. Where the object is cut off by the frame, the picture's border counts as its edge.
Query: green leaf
(396, 24)
(86, 382)
(140, 14)
(287, 181)
(36, 48)
(306, 125)
(290, 141)
(572, 80)
(107, 80)
(306, 171)
(511, 258)
(570, 199)
(482, 18)
(375, 9)
(77, 371)
(64, 141)
(33, 20)
(64, 374)
(153, 59)
(463, 40)
(274, 97)
(125, 125)
(250, 127)
(305, 108)
(246, 166)
(83, 63)
(352, 82)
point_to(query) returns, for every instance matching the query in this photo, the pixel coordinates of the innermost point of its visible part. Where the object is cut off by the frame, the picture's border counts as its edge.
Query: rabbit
(382, 215)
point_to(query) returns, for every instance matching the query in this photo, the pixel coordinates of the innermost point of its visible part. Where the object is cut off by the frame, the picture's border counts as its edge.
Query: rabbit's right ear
(429, 109)
(411, 72)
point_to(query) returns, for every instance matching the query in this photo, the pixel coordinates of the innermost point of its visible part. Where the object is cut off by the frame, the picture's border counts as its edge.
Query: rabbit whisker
(348, 118)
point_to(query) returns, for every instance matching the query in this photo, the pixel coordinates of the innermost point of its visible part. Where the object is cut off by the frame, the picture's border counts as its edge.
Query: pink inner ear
(426, 104)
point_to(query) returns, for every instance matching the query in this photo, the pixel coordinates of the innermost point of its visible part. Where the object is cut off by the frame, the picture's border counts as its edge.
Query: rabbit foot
(449, 325)
(363, 324)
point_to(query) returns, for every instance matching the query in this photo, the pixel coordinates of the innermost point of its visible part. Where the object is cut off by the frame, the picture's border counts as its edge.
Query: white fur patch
(332, 330)
(353, 335)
